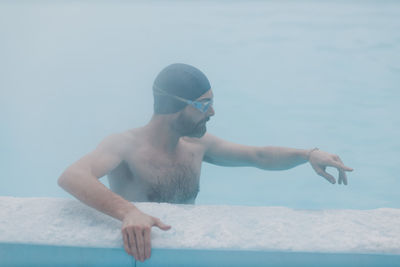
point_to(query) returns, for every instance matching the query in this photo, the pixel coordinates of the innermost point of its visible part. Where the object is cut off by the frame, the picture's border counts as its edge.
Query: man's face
(191, 122)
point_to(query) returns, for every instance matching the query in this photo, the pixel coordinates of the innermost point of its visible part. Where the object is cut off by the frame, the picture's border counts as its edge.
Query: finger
(147, 243)
(336, 158)
(139, 243)
(326, 175)
(340, 165)
(132, 244)
(345, 178)
(161, 225)
(342, 174)
(126, 242)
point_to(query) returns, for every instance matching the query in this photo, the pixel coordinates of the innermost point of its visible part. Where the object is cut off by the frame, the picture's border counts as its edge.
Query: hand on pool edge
(319, 160)
(136, 233)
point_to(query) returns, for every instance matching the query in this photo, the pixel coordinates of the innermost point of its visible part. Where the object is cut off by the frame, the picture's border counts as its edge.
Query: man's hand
(136, 228)
(319, 160)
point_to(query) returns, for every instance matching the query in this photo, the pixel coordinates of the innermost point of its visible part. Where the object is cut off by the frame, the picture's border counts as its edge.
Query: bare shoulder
(118, 142)
(205, 141)
(106, 156)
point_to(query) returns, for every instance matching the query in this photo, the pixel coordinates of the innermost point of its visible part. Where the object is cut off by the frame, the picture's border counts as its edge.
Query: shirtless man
(161, 161)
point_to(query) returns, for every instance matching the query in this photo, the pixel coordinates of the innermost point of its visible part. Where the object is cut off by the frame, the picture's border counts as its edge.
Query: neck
(161, 134)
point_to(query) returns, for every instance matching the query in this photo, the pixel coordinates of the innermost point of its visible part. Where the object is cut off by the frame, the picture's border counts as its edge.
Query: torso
(151, 176)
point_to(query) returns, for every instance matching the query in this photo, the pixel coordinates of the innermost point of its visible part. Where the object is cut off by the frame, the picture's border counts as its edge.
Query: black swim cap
(178, 80)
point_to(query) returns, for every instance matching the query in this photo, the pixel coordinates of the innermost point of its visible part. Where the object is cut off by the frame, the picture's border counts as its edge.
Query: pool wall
(42, 255)
(51, 231)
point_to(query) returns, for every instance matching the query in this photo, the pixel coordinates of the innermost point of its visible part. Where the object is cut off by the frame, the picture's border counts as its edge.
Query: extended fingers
(126, 242)
(130, 242)
(342, 177)
(147, 242)
(139, 242)
(326, 175)
(333, 161)
(342, 173)
(337, 163)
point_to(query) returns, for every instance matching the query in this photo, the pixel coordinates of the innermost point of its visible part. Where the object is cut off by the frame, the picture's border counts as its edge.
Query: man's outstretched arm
(224, 153)
(81, 180)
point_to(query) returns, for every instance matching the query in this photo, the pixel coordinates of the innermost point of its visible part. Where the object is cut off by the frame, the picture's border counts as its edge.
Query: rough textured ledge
(64, 222)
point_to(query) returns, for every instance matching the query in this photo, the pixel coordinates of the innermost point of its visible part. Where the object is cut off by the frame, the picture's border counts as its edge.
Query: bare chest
(167, 178)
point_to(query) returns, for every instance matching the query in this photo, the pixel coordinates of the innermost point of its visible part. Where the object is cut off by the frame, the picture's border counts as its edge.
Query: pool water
(299, 74)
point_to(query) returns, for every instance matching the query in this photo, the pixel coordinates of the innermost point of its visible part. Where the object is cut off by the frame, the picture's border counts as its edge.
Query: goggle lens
(203, 106)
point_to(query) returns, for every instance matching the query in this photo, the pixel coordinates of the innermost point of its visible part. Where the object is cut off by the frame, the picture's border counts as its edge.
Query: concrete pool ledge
(54, 231)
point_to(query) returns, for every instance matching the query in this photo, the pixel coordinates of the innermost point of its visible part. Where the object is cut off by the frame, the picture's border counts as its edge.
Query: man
(161, 161)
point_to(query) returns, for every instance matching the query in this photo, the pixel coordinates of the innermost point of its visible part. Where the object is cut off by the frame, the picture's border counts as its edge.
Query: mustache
(203, 121)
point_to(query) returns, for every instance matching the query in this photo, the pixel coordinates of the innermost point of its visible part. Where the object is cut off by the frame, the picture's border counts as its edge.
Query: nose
(211, 111)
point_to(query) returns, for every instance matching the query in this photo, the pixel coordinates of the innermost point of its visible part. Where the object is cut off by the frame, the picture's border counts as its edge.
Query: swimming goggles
(202, 105)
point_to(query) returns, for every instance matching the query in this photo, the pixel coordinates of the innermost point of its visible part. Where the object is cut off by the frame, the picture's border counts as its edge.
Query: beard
(187, 127)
